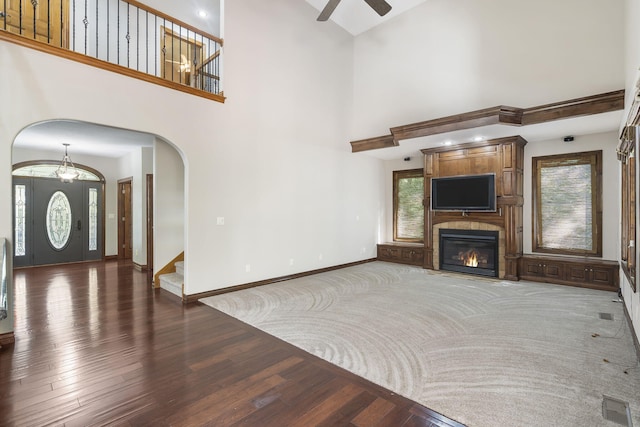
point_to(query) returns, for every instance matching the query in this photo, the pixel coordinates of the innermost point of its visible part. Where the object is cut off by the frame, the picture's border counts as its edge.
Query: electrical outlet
(320, 257)
(220, 220)
(291, 261)
(247, 268)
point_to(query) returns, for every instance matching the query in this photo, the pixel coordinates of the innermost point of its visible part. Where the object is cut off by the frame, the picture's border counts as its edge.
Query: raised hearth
(469, 251)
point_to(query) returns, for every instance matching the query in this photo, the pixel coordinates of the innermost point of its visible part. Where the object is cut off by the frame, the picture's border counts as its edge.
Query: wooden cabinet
(404, 253)
(542, 269)
(583, 272)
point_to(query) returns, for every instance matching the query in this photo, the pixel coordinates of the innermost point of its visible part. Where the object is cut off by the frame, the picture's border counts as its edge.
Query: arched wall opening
(118, 154)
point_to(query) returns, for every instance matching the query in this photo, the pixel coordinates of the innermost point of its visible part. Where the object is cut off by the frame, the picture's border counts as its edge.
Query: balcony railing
(120, 35)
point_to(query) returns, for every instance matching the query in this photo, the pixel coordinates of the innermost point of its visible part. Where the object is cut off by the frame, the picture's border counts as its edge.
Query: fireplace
(469, 251)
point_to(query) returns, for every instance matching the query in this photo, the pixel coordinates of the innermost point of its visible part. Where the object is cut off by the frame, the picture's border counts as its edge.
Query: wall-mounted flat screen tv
(464, 193)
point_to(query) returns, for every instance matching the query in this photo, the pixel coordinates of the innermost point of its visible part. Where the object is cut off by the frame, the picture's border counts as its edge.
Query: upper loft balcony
(123, 36)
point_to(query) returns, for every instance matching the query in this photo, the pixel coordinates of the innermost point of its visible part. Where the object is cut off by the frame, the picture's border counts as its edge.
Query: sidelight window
(20, 210)
(408, 206)
(93, 219)
(567, 198)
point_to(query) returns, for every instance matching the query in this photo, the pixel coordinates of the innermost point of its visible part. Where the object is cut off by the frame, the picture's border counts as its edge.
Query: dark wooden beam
(373, 143)
(473, 119)
(502, 115)
(595, 104)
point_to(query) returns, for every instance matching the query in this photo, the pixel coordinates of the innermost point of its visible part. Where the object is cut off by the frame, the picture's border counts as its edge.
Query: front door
(43, 20)
(56, 222)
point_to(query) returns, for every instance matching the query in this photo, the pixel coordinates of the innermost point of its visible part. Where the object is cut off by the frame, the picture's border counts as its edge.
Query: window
(20, 210)
(408, 207)
(626, 155)
(567, 204)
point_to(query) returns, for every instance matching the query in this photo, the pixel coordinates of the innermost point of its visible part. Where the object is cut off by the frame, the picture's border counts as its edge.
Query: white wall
(274, 160)
(610, 180)
(445, 58)
(106, 166)
(136, 165)
(168, 200)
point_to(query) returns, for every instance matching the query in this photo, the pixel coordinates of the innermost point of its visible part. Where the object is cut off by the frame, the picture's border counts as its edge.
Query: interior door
(125, 228)
(44, 20)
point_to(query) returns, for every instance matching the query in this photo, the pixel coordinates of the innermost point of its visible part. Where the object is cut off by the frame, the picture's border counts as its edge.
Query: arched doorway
(57, 220)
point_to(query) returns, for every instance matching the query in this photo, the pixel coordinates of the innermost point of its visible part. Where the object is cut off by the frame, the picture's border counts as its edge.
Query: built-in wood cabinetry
(404, 253)
(587, 272)
(505, 158)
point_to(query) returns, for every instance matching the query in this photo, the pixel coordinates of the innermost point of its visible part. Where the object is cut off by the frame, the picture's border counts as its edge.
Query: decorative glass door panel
(58, 220)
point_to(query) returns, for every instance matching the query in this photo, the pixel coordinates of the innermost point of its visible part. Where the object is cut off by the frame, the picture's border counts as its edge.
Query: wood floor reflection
(96, 345)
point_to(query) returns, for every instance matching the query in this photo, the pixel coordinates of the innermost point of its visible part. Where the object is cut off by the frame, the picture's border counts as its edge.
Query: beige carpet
(481, 351)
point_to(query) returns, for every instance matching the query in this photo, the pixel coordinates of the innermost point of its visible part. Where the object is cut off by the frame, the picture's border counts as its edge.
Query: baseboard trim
(140, 267)
(636, 343)
(7, 339)
(188, 299)
(111, 258)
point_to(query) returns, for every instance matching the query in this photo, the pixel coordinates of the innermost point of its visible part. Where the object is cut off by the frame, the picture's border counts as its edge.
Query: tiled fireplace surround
(469, 225)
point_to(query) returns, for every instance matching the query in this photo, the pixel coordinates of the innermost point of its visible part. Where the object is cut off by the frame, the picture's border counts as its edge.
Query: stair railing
(125, 33)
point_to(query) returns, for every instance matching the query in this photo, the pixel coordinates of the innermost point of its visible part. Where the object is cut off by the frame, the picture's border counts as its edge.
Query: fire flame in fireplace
(470, 259)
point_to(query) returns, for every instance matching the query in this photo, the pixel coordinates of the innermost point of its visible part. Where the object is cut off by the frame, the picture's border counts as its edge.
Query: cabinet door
(410, 256)
(553, 270)
(601, 275)
(388, 252)
(531, 267)
(578, 273)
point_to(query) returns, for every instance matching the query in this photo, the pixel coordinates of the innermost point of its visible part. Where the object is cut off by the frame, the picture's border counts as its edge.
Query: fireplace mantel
(505, 158)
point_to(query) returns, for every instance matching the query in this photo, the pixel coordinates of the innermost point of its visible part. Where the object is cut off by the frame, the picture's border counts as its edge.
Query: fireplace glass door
(469, 251)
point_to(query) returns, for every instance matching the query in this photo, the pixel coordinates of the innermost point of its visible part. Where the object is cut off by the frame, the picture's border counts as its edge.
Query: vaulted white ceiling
(356, 16)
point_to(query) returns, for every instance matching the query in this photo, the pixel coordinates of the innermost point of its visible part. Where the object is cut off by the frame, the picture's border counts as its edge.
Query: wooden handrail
(88, 60)
(208, 60)
(172, 19)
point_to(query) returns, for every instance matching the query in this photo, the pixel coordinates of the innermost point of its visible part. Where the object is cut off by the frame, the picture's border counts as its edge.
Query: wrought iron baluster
(146, 32)
(163, 66)
(85, 21)
(155, 42)
(62, 29)
(138, 38)
(180, 70)
(4, 14)
(97, 55)
(73, 14)
(128, 37)
(118, 35)
(173, 51)
(108, 26)
(48, 21)
(20, 18)
(34, 3)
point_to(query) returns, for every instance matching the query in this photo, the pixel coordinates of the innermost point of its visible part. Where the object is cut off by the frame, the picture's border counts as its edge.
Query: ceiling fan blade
(328, 10)
(380, 6)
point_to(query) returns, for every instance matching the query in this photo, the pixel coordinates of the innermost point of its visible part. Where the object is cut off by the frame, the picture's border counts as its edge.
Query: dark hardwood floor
(96, 345)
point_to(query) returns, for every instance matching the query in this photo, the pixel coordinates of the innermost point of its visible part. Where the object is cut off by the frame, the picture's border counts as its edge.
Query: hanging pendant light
(67, 171)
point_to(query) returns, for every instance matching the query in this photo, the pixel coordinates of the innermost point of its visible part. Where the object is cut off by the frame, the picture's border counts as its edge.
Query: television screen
(464, 193)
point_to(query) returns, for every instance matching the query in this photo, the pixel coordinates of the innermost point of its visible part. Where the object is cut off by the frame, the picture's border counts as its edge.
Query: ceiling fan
(380, 6)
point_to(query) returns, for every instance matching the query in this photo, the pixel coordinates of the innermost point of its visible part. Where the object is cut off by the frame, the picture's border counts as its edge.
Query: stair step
(172, 282)
(180, 267)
